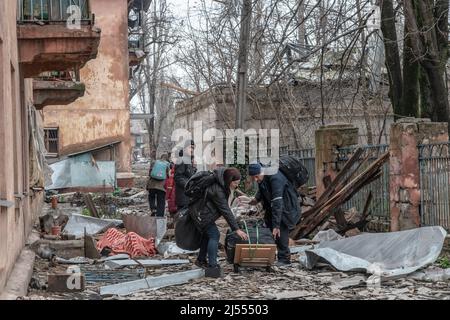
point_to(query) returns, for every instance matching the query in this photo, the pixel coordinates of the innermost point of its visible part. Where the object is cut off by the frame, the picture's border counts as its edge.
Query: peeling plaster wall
(102, 114)
(15, 221)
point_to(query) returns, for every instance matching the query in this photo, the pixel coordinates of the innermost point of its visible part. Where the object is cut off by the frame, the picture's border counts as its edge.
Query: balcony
(136, 49)
(56, 88)
(55, 35)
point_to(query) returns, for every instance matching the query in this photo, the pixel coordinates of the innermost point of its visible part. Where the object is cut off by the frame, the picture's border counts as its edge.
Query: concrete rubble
(171, 273)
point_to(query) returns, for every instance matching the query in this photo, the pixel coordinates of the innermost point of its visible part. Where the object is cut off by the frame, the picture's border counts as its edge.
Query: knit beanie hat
(254, 169)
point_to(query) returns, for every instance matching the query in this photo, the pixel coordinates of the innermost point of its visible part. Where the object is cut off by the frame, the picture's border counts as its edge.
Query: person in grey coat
(183, 171)
(280, 202)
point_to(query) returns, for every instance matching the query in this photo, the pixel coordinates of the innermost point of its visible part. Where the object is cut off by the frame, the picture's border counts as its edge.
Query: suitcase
(255, 252)
(254, 255)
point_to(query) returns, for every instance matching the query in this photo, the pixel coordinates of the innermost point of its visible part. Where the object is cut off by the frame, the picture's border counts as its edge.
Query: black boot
(214, 272)
(201, 264)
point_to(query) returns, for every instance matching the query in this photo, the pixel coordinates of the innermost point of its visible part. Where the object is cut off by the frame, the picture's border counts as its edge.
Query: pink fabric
(130, 243)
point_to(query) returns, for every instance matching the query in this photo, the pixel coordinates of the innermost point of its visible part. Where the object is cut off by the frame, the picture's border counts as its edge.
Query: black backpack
(196, 186)
(195, 189)
(294, 170)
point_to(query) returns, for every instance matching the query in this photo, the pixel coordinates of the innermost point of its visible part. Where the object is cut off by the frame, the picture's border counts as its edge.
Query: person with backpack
(170, 192)
(158, 174)
(280, 202)
(211, 195)
(183, 171)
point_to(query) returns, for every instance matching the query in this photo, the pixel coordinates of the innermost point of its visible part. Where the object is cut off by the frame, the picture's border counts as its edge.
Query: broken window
(51, 141)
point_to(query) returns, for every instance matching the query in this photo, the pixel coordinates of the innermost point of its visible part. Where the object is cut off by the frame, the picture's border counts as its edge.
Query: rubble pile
(348, 182)
(108, 271)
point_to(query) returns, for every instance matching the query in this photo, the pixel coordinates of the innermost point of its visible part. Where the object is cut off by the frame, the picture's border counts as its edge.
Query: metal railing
(70, 75)
(307, 156)
(380, 205)
(136, 41)
(434, 163)
(52, 10)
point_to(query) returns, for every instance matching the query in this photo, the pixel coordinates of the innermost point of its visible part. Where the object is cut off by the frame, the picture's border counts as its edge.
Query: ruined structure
(102, 116)
(295, 111)
(33, 40)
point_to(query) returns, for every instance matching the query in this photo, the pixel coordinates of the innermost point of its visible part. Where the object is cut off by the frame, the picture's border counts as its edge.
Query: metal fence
(434, 160)
(307, 156)
(51, 10)
(380, 206)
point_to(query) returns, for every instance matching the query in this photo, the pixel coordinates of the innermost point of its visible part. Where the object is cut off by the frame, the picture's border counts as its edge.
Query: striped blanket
(130, 243)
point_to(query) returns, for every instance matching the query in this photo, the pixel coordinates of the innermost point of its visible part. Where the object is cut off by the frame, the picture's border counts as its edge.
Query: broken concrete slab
(116, 264)
(294, 294)
(384, 254)
(61, 248)
(152, 283)
(78, 224)
(66, 282)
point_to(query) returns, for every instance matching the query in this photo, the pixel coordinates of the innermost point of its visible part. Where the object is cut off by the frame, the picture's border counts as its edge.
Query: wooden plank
(90, 204)
(366, 206)
(323, 210)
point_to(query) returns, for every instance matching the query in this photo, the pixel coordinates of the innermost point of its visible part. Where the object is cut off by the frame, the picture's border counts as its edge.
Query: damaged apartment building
(64, 97)
(94, 152)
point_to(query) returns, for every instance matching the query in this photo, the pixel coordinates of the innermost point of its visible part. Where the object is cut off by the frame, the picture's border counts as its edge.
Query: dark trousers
(284, 254)
(209, 245)
(157, 202)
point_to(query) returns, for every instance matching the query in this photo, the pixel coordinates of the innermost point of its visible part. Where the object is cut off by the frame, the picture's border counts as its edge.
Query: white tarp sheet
(81, 171)
(77, 223)
(385, 254)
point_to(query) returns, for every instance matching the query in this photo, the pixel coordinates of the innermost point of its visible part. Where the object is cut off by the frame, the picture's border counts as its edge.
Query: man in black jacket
(280, 202)
(183, 171)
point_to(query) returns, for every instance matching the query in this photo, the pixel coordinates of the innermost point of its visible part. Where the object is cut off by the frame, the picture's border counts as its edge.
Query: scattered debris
(348, 282)
(152, 283)
(76, 260)
(78, 224)
(90, 204)
(294, 294)
(328, 235)
(66, 249)
(432, 275)
(117, 264)
(168, 249)
(90, 250)
(48, 222)
(145, 225)
(68, 282)
(341, 189)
